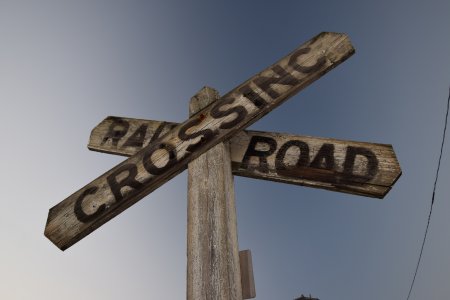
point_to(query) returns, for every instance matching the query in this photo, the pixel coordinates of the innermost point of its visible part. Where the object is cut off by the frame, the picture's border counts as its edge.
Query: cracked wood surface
(212, 243)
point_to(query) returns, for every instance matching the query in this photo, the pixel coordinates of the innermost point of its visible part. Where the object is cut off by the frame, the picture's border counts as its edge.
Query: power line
(432, 198)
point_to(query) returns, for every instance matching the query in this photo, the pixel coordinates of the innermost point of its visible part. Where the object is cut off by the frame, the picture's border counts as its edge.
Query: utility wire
(432, 198)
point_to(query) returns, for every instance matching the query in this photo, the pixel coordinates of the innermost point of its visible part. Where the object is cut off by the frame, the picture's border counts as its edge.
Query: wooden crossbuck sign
(128, 182)
(159, 151)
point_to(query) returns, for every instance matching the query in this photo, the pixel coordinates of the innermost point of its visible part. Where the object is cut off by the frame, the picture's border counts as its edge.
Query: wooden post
(213, 270)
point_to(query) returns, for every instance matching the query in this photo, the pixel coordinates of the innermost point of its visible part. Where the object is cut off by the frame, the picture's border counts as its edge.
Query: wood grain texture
(247, 279)
(270, 167)
(128, 182)
(367, 169)
(212, 244)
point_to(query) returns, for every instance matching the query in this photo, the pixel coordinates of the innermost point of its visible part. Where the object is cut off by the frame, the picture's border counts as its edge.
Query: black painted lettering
(117, 130)
(282, 77)
(253, 96)
(324, 158)
(78, 209)
(137, 138)
(349, 163)
(303, 158)
(150, 166)
(261, 154)
(205, 134)
(129, 181)
(158, 132)
(239, 111)
(293, 61)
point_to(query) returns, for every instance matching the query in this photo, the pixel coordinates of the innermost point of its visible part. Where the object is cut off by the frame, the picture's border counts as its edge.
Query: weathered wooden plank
(213, 270)
(368, 169)
(126, 136)
(247, 279)
(128, 182)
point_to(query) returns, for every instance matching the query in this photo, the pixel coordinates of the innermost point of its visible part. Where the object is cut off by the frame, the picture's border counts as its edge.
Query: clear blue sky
(65, 65)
